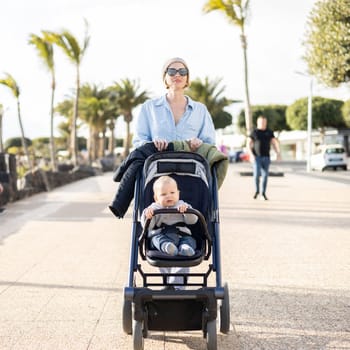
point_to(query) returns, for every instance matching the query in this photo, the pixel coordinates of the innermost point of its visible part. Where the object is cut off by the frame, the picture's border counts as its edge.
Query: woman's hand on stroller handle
(194, 143)
(161, 145)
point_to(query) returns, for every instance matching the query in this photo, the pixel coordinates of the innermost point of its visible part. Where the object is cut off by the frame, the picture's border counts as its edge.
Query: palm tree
(210, 93)
(64, 131)
(75, 53)
(11, 83)
(1, 140)
(65, 109)
(95, 110)
(236, 12)
(127, 97)
(111, 126)
(46, 53)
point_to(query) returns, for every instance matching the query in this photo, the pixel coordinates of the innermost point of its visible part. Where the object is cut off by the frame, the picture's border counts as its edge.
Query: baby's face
(167, 195)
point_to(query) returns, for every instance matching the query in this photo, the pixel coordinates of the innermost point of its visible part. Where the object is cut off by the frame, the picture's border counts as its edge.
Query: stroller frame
(146, 308)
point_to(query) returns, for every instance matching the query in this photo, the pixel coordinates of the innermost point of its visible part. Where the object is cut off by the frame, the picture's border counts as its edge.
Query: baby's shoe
(169, 248)
(186, 250)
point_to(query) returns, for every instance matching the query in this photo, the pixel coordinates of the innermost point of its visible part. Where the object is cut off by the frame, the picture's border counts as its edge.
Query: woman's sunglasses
(172, 71)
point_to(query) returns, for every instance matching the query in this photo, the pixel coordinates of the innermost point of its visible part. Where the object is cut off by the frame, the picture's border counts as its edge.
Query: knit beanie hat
(169, 62)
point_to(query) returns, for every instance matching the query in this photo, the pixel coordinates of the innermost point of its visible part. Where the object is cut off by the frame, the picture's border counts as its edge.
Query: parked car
(329, 157)
(235, 156)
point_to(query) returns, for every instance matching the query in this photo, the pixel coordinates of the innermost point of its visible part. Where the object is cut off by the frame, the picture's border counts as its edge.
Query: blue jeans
(175, 238)
(261, 168)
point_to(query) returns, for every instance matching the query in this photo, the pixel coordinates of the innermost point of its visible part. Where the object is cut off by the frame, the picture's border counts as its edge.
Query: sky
(133, 38)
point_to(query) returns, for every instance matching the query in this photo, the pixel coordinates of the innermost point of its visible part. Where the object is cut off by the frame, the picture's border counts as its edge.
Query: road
(64, 262)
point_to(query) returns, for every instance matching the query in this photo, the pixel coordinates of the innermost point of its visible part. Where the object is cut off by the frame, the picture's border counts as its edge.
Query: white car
(329, 157)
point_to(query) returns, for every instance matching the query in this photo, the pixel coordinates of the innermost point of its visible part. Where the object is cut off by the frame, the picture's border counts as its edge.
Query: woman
(174, 116)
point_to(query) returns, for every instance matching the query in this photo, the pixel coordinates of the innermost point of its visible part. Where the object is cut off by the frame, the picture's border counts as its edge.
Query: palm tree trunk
(96, 143)
(74, 138)
(111, 142)
(1, 140)
(52, 139)
(247, 107)
(102, 143)
(127, 140)
(127, 119)
(24, 144)
(90, 142)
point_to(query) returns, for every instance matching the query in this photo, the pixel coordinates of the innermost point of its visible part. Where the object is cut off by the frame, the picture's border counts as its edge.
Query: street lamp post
(309, 123)
(309, 128)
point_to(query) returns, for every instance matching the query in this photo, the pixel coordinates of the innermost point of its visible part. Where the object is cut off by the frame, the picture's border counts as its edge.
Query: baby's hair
(163, 180)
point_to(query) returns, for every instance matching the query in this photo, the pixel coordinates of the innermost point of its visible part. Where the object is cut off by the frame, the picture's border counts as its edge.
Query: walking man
(259, 144)
(1, 190)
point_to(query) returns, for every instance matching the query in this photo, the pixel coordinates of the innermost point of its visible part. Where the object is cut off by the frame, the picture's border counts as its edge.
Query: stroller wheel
(225, 312)
(127, 317)
(137, 335)
(211, 335)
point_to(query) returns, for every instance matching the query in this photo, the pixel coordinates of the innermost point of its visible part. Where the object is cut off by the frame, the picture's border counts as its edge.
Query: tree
(96, 110)
(75, 53)
(11, 83)
(127, 96)
(41, 147)
(46, 53)
(209, 93)
(65, 109)
(327, 42)
(64, 130)
(17, 142)
(325, 113)
(275, 114)
(236, 11)
(346, 112)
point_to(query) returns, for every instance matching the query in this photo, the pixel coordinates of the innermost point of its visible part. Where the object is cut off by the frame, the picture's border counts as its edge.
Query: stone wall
(40, 180)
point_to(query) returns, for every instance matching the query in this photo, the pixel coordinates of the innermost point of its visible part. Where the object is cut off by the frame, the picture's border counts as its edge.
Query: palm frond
(213, 5)
(44, 49)
(11, 83)
(86, 36)
(235, 10)
(71, 46)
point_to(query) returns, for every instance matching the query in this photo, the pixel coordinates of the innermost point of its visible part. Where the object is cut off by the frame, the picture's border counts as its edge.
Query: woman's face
(177, 81)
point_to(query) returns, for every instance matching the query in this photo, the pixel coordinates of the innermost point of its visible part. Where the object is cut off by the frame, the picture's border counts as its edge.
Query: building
(293, 143)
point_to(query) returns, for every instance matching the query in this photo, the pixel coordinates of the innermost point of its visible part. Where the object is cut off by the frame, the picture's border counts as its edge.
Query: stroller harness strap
(179, 228)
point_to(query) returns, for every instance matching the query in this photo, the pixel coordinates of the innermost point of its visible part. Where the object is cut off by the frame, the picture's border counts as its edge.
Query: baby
(177, 240)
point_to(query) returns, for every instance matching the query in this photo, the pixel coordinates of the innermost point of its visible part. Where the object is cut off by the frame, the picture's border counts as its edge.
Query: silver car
(329, 157)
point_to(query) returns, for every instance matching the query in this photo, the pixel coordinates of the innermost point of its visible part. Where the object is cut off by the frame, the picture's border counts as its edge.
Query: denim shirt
(156, 121)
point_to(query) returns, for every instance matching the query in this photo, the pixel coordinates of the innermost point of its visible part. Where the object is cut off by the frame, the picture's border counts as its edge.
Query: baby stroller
(150, 301)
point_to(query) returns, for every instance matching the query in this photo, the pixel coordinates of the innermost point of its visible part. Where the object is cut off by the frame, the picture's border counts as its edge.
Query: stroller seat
(199, 231)
(191, 175)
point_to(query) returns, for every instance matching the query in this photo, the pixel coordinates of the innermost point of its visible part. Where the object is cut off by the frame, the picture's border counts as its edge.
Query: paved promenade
(64, 262)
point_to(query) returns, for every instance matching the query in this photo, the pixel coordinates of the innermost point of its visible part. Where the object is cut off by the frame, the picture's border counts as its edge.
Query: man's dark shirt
(262, 141)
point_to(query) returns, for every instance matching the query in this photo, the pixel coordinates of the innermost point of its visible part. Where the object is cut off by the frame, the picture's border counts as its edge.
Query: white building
(293, 143)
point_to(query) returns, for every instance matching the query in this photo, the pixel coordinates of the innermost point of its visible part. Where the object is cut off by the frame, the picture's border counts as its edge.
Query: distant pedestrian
(223, 148)
(1, 191)
(259, 144)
